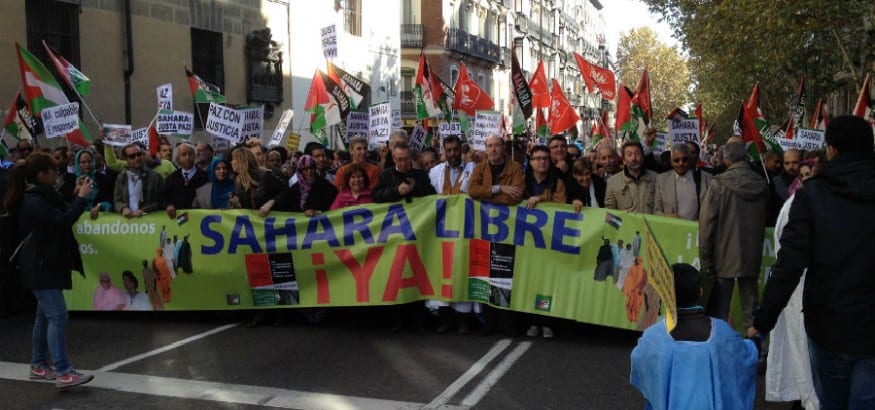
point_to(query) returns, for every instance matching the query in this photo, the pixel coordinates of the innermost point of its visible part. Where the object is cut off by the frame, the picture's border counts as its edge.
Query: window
(411, 12)
(352, 17)
(208, 63)
(463, 16)
(57, 23)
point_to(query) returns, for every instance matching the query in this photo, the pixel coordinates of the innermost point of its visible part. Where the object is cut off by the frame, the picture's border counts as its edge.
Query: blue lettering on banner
(404, 228)
(441, 230)
(326, 235)
(209, 233)
(350, 226)
(523, 225)
(272, 230)
(243, 234)
(498, 220)
(561, 230)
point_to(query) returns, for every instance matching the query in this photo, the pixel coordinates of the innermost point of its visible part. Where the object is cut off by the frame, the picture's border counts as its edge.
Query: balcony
(457, 40)
(411, 36)
(505, 57)
(408, 103)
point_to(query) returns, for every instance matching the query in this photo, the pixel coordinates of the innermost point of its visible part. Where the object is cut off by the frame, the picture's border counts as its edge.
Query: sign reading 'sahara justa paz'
(174, 122)
(380, 124)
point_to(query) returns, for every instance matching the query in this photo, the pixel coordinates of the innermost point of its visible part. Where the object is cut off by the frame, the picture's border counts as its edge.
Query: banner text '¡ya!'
(494, 223)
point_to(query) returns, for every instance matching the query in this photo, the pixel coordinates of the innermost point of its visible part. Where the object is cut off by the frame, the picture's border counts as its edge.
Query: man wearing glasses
(679, 191)
(138, 189)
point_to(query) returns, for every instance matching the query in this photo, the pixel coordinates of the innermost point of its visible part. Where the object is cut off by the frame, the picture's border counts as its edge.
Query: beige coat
(626, 194)
(666, 195)
(732, 223)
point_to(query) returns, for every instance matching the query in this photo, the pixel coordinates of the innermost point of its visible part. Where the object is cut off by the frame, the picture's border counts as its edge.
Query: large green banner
(589, 267)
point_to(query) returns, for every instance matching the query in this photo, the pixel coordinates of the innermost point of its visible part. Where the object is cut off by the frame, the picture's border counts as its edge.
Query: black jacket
(390, 179)
(830, 231)
(181, 194)
(321, 196)
(47, 258)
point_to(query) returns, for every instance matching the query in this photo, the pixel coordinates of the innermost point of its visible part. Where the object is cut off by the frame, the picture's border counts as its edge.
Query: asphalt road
(352, 360)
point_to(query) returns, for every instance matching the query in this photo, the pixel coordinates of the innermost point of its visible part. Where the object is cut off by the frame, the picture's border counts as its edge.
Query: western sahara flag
(521, 89)
(355, 88)
(427, 97)
(335, 91)
(202, 91)
(613, 220)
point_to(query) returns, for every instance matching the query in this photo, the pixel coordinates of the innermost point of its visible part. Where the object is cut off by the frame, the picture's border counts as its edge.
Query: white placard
(225, 123)
(141, 135)
(417, 137)
(396, 119)
(220, 145)
(280, 131)
(682, 131)
(165, 96)
(117, 135)
(329, 41)
(809, 140)
(486, 123)
(60, 120)
(379, 124)
(445, 129)
(253, 122)
(174, 122)
(661, 142)
(356, 124)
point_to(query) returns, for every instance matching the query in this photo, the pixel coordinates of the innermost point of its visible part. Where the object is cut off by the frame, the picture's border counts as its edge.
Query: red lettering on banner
(361, 274)
(407, 254)
(323, 292)
(448, 249)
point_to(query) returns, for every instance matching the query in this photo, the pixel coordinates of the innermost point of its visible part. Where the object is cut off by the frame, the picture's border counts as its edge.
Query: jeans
(49, 330)
(842, 381)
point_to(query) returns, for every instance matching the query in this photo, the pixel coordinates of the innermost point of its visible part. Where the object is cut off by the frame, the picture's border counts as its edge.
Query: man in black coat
(182, 184)
(402, 181)
(831, 232)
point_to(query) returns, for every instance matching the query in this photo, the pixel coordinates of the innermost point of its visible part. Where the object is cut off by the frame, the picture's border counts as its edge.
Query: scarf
(305, 161)
(221, 190)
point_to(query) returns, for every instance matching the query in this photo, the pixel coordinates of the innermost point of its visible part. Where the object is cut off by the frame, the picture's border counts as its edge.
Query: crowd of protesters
(732, 197)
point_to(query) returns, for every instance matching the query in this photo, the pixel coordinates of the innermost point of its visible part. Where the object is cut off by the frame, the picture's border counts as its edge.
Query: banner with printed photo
(117, 135)
(60, 120)
(548, 260)
(174, 123)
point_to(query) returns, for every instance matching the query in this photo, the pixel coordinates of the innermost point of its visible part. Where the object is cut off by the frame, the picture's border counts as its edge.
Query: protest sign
(449, 248)
(681, 131)
(225, 122)
(329, 41)
(293, 143)
(116, 135)
(174, 122)
(379, 125)
(165, 96)
(445, 129)
(809, 139)
(253, 122)
(417, 137)
(60, 120)
(786, 143)
(220, 145)
(141, 135)
(486, 123)
(356, 124)
(660, 144)
(280, 131)
(396, 119)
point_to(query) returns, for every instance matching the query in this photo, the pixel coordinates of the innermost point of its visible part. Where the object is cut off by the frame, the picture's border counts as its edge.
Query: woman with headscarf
(253, 185)
(215, 193)
(311, 194)
(162, 274)
(84, 165)
(107, 296)
(134, 299)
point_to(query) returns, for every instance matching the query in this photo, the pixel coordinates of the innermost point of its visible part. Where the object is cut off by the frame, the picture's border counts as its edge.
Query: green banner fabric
(588, 267)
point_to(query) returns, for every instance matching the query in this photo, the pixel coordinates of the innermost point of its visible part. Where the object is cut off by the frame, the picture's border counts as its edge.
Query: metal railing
(411, 35)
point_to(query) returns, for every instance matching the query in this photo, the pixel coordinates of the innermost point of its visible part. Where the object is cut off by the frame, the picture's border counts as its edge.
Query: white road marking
(492, 378)
(472, 372)
(174, 345)
(222, 392)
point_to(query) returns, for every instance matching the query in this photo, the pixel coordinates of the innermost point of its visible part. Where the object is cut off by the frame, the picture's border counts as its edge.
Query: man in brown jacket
(680, 191)
(732, 225)
(497, 180)
(634, 189)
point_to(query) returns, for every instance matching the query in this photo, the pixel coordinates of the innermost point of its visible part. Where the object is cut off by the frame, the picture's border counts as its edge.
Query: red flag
(469, 96)
(562, 114)
(538, 85)
(154, 139)
(624, 107)
(642, 95)
(862, 108)
(819, 120)
(750, 130)
(597, 78)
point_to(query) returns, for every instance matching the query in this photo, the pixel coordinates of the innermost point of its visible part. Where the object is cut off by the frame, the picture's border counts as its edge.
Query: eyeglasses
(681, 159)
(133, 156)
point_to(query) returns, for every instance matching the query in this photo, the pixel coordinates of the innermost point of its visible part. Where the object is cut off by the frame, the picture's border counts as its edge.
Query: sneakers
(73, 378)
(547, 333)
(533, 331)
(42, 373)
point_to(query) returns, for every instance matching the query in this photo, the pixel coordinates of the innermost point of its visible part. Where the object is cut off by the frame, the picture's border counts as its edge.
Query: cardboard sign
(141, 135)
(329, 42)
(396, 119)
(660, 144)
(165, 96)
(293, 142)
(225, 123)
(809, 140)
(117, 135)
(356, 124)
(681, 131)
(486, 123)
(253, 122)
(379, 125)
(60, 120)
(417, 137)
(174, 122)
(277, 137)
(445, 129)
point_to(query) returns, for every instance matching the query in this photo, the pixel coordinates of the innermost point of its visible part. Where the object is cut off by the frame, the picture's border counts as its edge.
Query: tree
(734, 44)
(669, 74)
